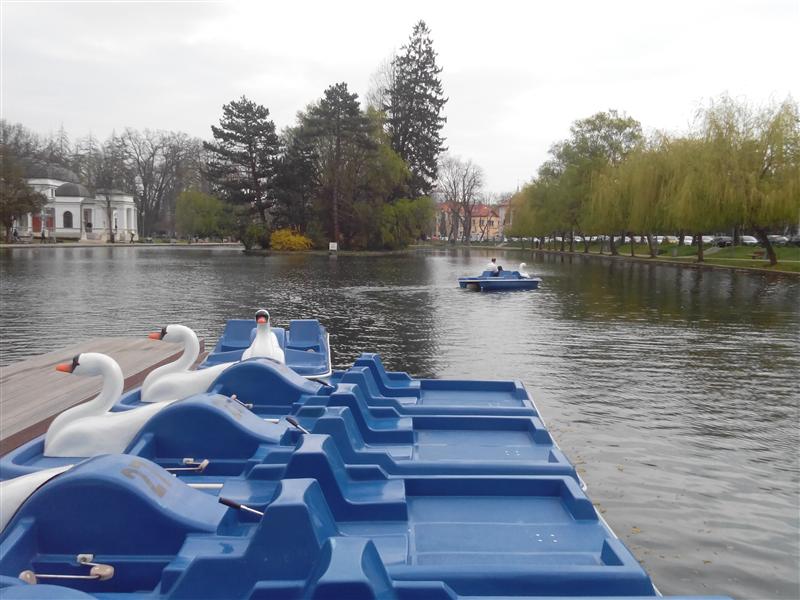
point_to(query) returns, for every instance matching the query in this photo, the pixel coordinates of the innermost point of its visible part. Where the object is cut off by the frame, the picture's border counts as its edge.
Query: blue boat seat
(237, 335)
(304, 334)
(386, 428)
(266, 384)
(446, 397)
(206, 426)
(317, 457)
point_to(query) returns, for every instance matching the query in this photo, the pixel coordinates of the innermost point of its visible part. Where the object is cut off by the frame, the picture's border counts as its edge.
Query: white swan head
(173, 333)
(88, 364)
(522, 266)
(262, 317)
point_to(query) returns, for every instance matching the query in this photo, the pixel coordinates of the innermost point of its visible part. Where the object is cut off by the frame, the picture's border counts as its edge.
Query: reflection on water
(675, 391)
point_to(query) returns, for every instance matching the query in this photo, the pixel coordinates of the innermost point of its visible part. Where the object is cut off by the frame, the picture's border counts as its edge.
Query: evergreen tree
(340, 133)
(297, 180)
(243, 155)
(415, 107)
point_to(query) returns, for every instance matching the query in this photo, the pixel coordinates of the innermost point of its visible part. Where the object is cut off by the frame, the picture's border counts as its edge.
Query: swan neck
(113, 384)
(191, 350)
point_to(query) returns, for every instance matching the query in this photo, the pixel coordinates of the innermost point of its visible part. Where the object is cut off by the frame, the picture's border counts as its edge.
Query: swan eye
(163, 332)
(75, 362)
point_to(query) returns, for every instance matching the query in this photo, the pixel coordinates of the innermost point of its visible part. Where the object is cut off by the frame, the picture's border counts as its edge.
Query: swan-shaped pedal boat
(177, 379)
(219, 431)
(91, 428)
(304, 346)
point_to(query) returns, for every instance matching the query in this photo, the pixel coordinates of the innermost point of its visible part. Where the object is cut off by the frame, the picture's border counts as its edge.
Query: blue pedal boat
(229, 440)
(306, 345)
(131, 530)
(359, 489)
(494, 281)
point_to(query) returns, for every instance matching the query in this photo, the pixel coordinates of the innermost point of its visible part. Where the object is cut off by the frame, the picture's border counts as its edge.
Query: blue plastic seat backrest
(261, 381)
(304, 332)
(350, 567)
(209, 426)
(364, 378)
(117, 504)
(371, 358)
(237, 332)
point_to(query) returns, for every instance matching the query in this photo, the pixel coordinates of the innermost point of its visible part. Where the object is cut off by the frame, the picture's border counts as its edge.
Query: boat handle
(238, 506)
(190, 464)
(98, 571)
(293, 422)
(235, 399)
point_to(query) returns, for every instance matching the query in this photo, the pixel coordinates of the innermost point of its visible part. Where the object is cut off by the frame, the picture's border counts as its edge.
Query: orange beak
(261, 320)
(156, 335)
(64, 367)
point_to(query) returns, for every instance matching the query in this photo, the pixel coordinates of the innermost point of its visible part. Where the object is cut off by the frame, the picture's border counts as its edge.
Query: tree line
(737, 169)
(358, 175)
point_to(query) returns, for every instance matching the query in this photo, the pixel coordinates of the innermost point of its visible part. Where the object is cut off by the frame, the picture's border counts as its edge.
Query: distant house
(72, 211)
(486, 223)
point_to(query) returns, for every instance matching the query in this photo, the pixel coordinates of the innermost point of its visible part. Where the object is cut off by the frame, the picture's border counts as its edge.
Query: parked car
(795, 240)
(748, 240)
(723, 241)
(778, 240)
(670, 239)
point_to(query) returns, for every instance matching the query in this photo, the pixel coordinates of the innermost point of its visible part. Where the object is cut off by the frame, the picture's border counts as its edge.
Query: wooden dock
(32, 392)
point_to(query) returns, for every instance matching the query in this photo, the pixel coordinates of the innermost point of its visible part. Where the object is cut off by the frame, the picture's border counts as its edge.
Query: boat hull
(499, 281)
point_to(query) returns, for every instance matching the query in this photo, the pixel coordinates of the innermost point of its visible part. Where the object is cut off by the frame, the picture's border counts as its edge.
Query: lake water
(674, 391)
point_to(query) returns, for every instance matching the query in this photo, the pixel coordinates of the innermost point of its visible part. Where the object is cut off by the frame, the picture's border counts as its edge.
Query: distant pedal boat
(495, 281)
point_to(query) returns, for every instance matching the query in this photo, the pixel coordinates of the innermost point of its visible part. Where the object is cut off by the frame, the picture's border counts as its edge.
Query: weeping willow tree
(753, 159)
(692, 189)
(604, 210)
(644, 177)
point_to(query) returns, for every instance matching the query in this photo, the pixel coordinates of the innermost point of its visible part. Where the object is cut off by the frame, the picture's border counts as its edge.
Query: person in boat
(494, 267)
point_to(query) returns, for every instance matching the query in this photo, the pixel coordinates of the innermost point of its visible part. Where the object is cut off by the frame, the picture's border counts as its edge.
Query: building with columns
(71, 211)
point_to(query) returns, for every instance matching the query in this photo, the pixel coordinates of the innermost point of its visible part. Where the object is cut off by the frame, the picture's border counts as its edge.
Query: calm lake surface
(674, 391)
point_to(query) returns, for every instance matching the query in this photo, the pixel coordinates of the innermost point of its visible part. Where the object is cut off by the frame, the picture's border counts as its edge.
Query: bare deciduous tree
(380, 83)
(460, 185)
(162, 163)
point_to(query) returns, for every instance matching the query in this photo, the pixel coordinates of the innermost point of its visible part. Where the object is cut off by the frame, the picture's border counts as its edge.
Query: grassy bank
(740, 257)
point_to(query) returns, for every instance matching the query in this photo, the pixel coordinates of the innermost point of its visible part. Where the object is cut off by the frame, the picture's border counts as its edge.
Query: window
(67, 220)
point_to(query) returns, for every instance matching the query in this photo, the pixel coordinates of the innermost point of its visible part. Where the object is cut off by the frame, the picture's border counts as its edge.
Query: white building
(71, 211)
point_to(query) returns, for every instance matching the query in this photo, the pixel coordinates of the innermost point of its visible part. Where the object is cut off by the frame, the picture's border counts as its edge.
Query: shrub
(254, 233)
(286, 239)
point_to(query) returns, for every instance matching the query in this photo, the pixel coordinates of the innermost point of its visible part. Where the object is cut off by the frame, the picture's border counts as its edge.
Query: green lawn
(739, 256)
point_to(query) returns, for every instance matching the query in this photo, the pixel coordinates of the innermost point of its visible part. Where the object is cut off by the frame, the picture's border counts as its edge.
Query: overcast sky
(517, 73)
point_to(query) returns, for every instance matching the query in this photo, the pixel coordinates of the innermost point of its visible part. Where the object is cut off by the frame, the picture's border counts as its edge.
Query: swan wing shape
(174, 386)
(108, 433)
(14, 492)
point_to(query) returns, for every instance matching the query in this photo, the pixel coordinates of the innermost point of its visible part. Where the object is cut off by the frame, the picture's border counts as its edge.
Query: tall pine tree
(414, 112)
(243, 155)
(340, 134)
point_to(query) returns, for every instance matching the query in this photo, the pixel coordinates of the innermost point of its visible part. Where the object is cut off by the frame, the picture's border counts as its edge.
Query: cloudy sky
(517, 73)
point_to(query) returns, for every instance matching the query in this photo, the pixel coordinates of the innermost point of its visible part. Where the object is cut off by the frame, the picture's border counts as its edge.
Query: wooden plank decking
(32, 392)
